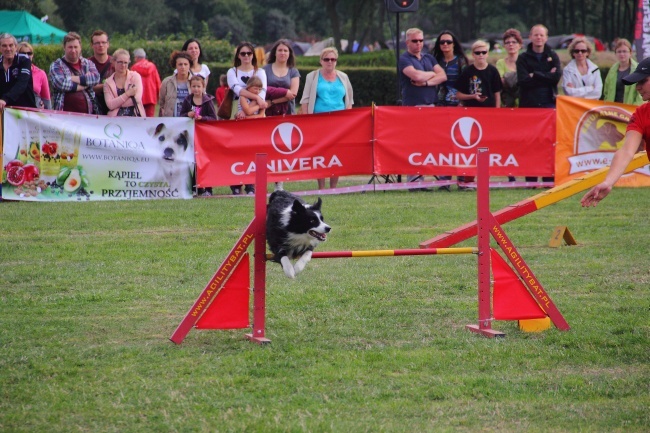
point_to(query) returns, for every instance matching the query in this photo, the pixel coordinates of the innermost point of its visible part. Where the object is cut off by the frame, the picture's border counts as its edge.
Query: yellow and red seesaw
(228, 290)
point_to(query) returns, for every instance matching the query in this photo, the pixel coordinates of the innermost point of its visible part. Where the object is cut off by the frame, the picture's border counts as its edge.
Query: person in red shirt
(638, 132)
(104, 64)
(150, 81)
(221, 90)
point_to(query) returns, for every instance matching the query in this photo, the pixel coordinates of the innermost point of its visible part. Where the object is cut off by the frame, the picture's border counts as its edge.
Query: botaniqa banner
(63, 157)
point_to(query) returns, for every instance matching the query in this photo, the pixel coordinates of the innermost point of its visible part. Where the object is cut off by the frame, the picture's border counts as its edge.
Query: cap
(139, 52)
(642, 71)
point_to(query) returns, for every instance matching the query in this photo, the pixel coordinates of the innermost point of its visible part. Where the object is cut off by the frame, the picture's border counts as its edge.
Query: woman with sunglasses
(244, 67)
(123, 89)
(39, 77)
(581, 77)
(451, 57)
(614, 89)
(327, 89)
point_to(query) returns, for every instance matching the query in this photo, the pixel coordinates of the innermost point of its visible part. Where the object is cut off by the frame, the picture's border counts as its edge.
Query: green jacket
(631, 96)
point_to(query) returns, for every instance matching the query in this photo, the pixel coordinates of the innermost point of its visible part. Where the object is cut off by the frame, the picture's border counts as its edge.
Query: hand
(191, 114)
(531, 74)
(240, 115)
(553, 70)
(131, 91)
(262, 103)
(570, 85)
(290, 96)
(479, 97)
(3, 104)
(595, 195)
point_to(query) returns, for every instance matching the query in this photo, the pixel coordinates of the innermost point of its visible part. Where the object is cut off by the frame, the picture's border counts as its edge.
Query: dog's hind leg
(287, 267)
(302, 262)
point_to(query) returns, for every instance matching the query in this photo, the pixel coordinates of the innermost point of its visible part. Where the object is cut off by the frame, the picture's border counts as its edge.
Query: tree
(332, 14)
(31, 6)
(72, 13)
(277, 25)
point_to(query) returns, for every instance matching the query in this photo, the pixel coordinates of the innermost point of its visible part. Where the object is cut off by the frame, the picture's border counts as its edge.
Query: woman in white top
(193, 47)
(581, 77)
(245, 66)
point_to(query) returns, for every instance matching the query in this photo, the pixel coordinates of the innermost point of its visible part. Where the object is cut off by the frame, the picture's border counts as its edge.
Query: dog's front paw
(302, 262)
(287, 267)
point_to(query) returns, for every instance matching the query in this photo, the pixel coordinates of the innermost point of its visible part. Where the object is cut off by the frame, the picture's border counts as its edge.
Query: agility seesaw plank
(532, 204)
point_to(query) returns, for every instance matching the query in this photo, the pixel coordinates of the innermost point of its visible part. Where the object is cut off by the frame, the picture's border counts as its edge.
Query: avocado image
(34, 151)
(73, 182)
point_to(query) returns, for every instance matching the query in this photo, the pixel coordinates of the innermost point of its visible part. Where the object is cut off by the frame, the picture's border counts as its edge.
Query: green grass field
(91, 292)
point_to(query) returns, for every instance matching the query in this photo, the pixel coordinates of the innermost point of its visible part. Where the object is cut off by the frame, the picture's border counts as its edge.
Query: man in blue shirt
(420, 73)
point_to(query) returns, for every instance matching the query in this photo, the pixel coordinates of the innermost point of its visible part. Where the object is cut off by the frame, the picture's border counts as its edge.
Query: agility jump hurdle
(233, 273)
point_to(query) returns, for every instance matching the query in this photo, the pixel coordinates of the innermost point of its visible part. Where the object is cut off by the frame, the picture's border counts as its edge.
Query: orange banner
(298, 147)
(588, 134)
(443, 141)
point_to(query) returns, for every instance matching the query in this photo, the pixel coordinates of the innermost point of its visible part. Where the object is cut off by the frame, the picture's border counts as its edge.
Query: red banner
(443, 141)
(298, 147)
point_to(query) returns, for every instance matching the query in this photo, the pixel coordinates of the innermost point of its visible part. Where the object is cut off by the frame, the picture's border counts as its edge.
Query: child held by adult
(249, 108)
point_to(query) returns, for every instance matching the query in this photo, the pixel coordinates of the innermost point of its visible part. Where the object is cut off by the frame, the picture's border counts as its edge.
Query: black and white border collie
(293, 230)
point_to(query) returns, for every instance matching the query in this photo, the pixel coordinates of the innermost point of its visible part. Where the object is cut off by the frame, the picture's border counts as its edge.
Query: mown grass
(91, 292)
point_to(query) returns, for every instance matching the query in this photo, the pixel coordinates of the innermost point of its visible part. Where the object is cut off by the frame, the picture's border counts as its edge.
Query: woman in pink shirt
(39, 77)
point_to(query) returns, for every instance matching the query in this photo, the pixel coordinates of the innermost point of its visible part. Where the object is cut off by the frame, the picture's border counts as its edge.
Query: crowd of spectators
(103, 84)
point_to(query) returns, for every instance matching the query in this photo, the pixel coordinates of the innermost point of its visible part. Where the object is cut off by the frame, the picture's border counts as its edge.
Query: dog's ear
(317, 205)
(297, 207)
(182, 139)
(155, 131)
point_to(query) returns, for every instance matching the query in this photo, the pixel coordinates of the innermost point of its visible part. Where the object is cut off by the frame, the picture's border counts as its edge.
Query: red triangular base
(229, 309)
(511, 300)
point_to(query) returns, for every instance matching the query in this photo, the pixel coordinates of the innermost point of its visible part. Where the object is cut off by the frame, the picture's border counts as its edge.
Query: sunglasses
(580, 51)
(446, 42)
(28, 53)
(329, 59)
(245, 53)
(417, 41)
(480, 53)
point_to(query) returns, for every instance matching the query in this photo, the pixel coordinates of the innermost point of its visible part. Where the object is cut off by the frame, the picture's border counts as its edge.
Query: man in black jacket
(16, 84)
(538, 71)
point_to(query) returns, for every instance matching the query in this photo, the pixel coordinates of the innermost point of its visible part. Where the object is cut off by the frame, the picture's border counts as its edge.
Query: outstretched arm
(621, 160)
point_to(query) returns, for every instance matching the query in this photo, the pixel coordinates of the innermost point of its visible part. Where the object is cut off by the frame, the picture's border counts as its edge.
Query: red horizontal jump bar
(388, 253)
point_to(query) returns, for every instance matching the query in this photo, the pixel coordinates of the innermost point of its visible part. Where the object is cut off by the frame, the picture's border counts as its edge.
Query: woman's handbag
(136, 110)
(225, 109)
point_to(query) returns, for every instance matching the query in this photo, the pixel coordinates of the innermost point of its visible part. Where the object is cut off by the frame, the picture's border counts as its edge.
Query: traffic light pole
(397, 41)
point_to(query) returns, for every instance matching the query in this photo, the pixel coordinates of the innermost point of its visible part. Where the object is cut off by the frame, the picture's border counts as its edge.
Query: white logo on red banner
(466, 132)
(286, 138)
